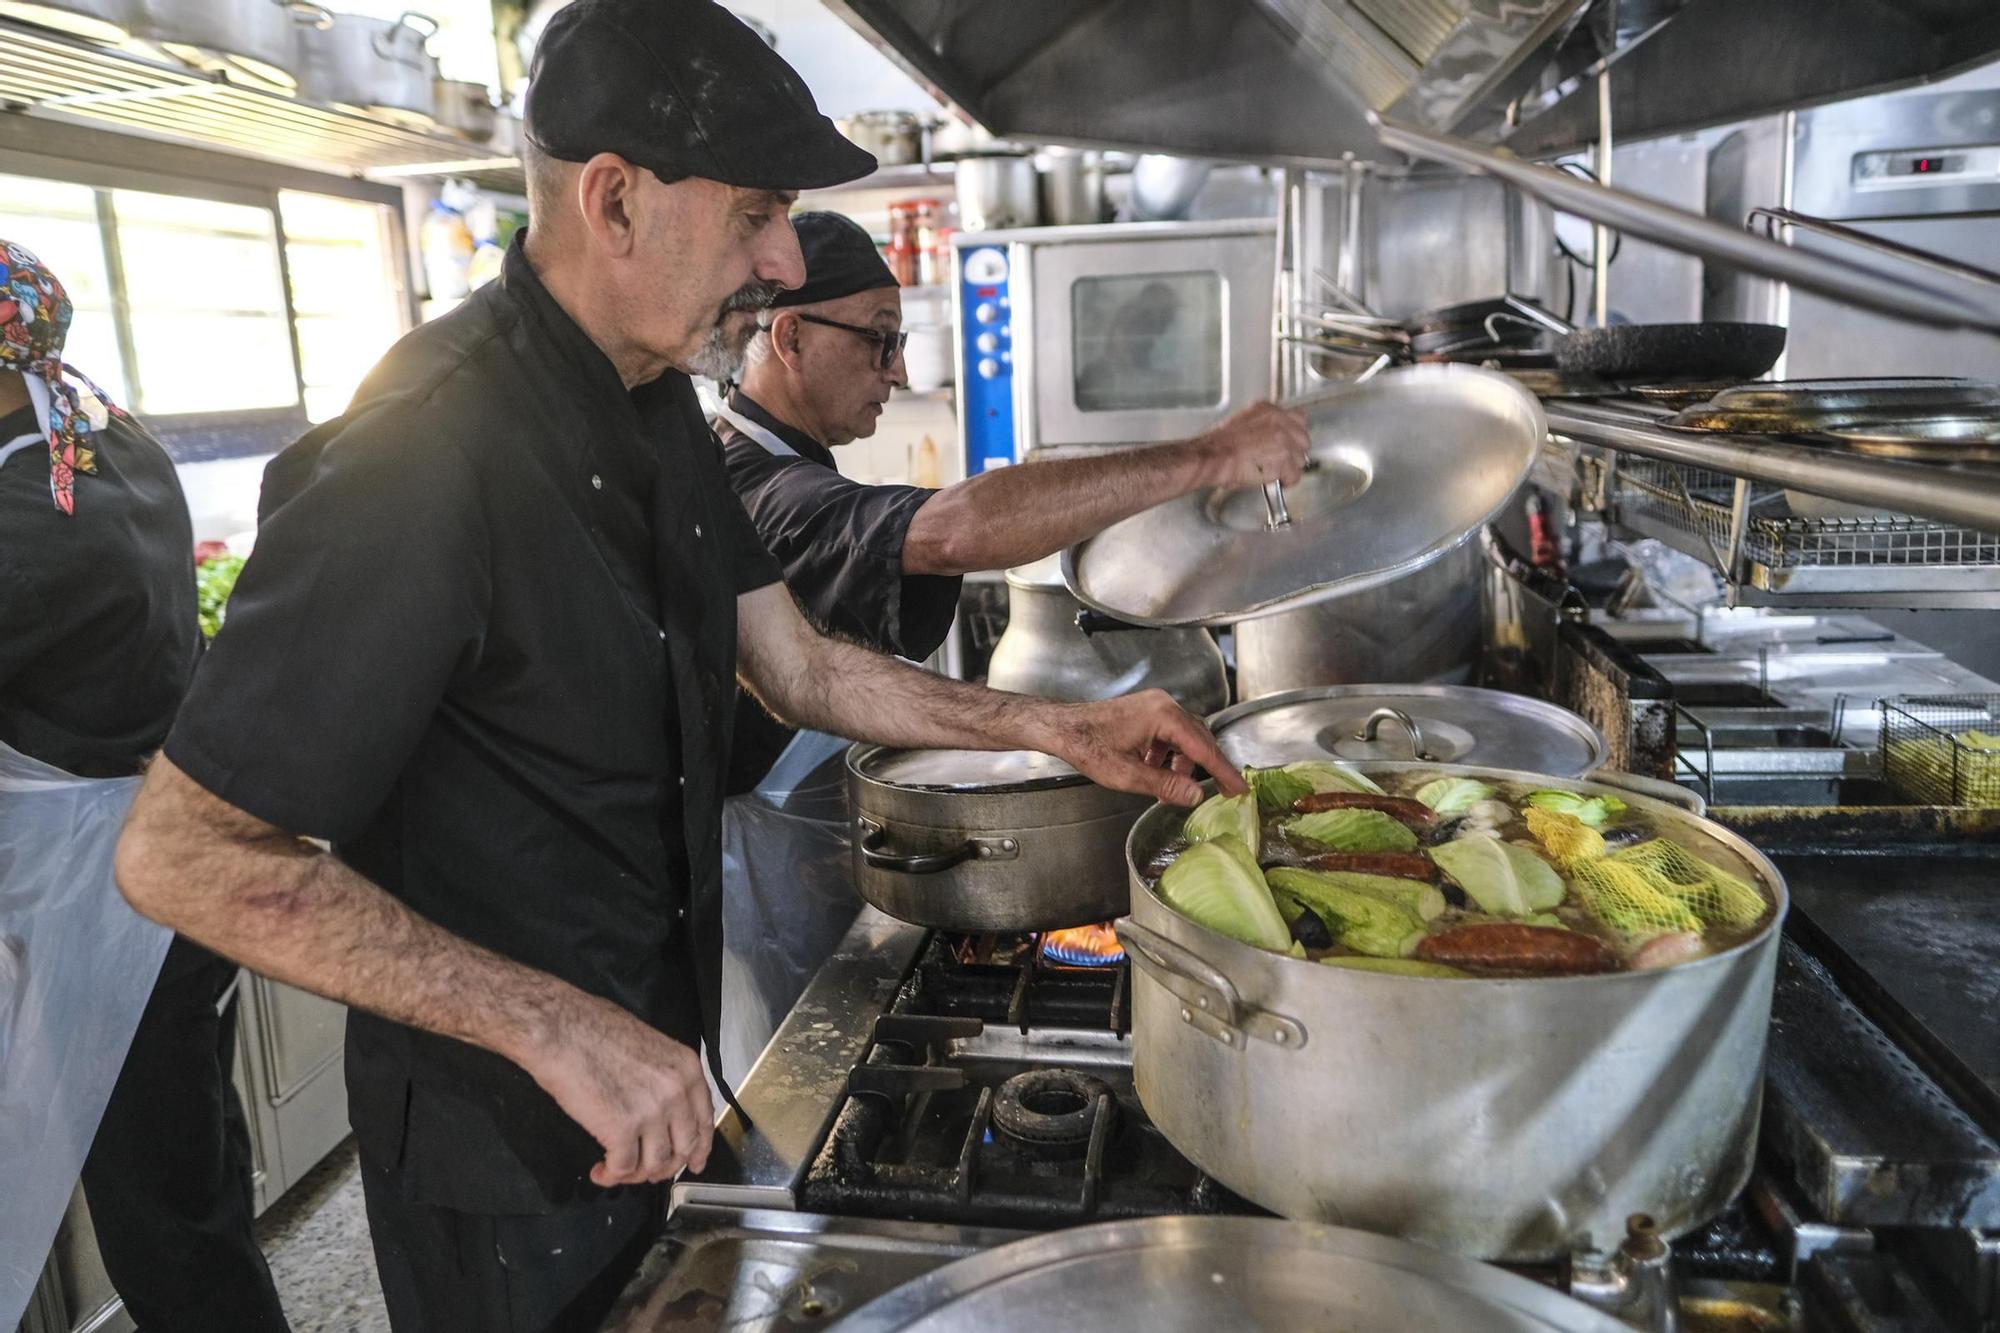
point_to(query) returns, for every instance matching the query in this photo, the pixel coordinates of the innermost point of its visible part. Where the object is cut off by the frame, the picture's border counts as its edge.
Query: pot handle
(1373, 725)
(875, 851)
(388, 42)
(1096, 622)
(1218, 1009)
(307, 14)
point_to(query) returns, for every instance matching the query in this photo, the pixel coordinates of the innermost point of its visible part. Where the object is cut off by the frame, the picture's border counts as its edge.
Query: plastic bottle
(446, 243)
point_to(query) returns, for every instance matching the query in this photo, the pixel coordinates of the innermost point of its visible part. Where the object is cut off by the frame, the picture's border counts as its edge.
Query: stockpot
(373, 65)
(1509, 1119)
(258, 38)
(1053, 648)
(978, 841)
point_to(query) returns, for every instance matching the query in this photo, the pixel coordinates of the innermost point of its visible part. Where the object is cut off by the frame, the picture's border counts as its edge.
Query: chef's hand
(1261, 443)
(1141, 742)
(637, 1091)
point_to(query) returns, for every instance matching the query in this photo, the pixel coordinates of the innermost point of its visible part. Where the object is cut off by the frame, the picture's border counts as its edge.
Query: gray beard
(720, 356)
(715, 359)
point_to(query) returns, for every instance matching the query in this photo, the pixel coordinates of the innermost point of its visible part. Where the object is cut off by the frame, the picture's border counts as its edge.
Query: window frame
(105, 162)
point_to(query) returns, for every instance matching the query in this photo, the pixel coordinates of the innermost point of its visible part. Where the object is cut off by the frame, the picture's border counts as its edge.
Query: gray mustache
(756, 294)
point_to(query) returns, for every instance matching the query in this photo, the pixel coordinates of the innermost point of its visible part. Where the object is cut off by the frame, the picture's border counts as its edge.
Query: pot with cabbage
(1488, 1010)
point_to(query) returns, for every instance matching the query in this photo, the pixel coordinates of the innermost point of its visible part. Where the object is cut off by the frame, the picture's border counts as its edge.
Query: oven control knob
(988, 342)
(986, 312)
(988, 368)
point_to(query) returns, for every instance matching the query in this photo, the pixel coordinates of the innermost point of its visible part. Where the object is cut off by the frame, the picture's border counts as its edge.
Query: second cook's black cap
(841, 259)
(682, 88)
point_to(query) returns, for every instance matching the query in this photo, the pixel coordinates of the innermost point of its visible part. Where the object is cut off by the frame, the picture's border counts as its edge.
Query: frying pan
(1677, 351)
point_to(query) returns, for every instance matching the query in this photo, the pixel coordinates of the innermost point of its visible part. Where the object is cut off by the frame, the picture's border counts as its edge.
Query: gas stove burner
(1083, 946)
(1052, 1111)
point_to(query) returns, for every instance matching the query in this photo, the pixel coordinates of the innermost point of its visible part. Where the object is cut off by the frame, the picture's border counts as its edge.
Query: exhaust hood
(1293, 81)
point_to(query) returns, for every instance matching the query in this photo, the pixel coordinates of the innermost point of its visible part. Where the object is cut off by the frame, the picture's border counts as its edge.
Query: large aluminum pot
(1420, 628)
(978, 841)
(1045, 650)
(465, 107)
(896, 138)
(107, 21)
(997, 192)
(258, 38)
(1508, 1119)
(374, 65)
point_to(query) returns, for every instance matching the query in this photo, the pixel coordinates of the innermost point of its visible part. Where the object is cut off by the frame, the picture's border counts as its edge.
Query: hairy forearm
(1013, 515)
(809, 680)
(287, 910)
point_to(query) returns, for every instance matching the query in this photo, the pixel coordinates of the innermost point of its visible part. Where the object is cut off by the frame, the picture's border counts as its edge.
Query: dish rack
(1772, 557)
(1930, 755)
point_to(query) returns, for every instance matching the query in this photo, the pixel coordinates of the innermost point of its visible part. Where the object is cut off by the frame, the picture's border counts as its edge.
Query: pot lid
(1404, 466)
(1202, 1273)
(1459, 725)
(962, 770)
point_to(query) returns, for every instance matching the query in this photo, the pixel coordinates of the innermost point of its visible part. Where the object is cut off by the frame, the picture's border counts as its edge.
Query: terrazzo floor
(316, 1239)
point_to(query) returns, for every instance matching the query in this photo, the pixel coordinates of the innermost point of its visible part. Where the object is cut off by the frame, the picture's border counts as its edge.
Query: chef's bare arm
(1012, 515)
(291, 911)
(1140, 742)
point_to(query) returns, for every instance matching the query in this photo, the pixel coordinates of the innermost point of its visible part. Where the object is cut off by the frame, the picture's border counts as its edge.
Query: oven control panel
(986, 352)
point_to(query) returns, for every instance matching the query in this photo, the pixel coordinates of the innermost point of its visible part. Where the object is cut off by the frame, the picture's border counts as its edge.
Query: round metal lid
(1459, 724)
(1203, 1274)
(1404, 465)
(962, 770)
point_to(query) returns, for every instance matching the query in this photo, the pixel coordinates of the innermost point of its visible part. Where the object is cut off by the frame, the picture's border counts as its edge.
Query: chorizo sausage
(1402, 807)
(1399, 865)
(1517, 949)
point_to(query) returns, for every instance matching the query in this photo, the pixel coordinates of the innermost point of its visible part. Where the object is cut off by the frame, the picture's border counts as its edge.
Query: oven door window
(1147, 342)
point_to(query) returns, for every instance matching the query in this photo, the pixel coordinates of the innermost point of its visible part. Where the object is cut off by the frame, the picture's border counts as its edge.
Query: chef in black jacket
(98, 639)
(487, 648)
(882, 564)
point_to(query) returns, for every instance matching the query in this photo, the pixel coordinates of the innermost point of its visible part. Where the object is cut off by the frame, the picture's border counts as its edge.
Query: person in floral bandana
(99, 636)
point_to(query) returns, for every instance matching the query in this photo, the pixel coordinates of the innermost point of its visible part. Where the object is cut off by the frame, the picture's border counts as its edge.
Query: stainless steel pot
(979, 841)
(1507, 1119)
(1072, 186)
(997, 192)
(1422, 627)
(466, 107)
(896, 138)
(374, 65)
(1046, 651)
(108, 21)
(260, 39)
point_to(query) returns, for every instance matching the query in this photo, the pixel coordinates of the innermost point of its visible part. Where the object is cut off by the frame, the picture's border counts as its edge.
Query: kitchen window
(181, 301)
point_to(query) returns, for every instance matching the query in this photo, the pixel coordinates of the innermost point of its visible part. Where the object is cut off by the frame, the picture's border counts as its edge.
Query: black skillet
(1713, 351)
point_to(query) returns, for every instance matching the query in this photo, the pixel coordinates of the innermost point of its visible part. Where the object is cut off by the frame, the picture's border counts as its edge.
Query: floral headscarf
(34, 320)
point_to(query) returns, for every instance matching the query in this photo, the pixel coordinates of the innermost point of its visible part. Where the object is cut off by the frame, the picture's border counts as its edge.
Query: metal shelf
(1780, 559)
(49, 75)
(1967, 497)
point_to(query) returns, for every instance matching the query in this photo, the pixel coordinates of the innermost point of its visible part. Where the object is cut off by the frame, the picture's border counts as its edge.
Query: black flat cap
(841, 259)
(682, 88)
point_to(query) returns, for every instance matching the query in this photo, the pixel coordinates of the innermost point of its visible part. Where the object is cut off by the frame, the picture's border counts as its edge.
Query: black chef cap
(682, 88)
(841, 259)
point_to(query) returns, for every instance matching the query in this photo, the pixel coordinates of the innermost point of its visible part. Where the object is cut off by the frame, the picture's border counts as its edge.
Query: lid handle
(1409, 724)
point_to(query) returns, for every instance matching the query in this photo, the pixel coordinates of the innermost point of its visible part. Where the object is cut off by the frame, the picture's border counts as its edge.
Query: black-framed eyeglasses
(889, 345)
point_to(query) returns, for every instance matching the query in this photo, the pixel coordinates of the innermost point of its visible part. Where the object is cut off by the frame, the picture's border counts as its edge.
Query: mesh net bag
(1716, 896)
(1653, 888)
(1568, 840)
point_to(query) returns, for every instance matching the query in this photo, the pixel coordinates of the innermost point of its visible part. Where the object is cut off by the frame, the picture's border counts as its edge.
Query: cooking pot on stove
(1054, 649)
(977, 841)
(1499, 1118)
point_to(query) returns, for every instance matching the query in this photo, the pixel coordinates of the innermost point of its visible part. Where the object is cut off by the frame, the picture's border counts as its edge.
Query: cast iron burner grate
(930, 1133)
(1008, 982)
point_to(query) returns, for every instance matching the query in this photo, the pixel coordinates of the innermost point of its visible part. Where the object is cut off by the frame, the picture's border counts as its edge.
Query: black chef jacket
(99, 631)
(486, 647)
(840, 544)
